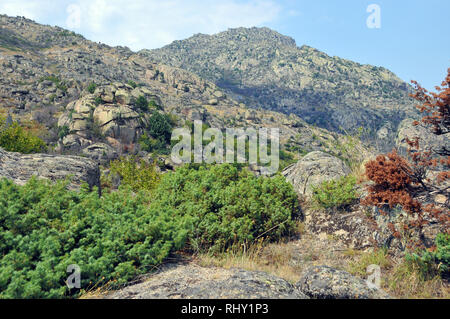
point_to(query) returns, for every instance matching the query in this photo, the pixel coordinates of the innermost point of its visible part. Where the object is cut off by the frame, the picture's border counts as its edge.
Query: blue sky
(411, 40)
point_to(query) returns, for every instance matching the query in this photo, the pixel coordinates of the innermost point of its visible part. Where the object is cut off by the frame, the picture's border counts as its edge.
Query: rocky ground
(190, 281)
(291, 270)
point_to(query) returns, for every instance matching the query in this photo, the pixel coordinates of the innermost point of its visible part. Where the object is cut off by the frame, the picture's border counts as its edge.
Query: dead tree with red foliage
(436, 107)
(414, 183)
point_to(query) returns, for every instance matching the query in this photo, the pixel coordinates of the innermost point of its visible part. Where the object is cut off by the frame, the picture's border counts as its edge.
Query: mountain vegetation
(106, 196)
(44, 228)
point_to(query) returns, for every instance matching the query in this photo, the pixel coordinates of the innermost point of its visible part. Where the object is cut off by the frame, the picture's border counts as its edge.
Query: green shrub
(98, 100)
(159, 132)
(153, 145)
(431, 263)
(142, 103)
(286, 159)
(154, 105)
(132, 84)
(91, 88)
(44, 228)
(63, 131)
(51, 78)
(227, 207)
(15, 138)
(138, 176)
(336, 193)
(57, 81)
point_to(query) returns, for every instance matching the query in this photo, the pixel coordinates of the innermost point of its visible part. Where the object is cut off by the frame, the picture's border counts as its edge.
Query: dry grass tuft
(273, 258)
(399, 278)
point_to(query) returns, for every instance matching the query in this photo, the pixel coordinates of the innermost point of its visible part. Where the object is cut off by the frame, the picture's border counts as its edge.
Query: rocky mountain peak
(264, 69)
(238, 37)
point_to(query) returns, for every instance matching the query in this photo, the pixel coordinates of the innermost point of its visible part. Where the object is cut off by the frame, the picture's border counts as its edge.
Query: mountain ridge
(264, 69)
(49, 84)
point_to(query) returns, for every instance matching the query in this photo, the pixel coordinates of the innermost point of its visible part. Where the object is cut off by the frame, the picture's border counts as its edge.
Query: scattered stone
(213, 102)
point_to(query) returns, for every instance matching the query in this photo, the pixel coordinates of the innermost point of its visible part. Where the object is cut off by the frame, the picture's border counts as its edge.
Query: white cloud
(29, 9)
(147, 23)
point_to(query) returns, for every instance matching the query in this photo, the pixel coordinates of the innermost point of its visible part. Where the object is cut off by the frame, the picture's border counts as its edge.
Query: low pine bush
(45, 228)
(142, 103)
(137, 175)
(91, 88)
(337, 193)
(227, 206)
(156, 138)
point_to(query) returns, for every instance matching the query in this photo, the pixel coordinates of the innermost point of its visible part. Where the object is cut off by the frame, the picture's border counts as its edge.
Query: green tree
(160, 126)
(336, 193)
(142, 103)
(15, 138)
(91, 88)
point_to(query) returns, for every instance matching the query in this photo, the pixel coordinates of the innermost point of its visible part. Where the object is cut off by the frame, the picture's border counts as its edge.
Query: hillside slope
(45, 76)
(265, 69)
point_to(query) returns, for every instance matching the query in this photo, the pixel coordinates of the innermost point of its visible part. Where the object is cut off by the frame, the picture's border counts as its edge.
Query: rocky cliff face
(45, 73)
(265, 69)
(45, 66)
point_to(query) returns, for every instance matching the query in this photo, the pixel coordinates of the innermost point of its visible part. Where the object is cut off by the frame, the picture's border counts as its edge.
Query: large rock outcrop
(353, 228)
(195, 282)
(20, 168)
(313, 169)
(190, 281)
(46, 73)
(427, 139)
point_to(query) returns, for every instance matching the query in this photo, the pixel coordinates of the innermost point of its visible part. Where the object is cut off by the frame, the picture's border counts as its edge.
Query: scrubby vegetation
(435, 261)
(132, 84)
(142, 103)
(45, 228)
(402, 278)
(138, 176)
(56, 80)
(336, 193)
(157, 137)
(408, 183)
(15, 138)
(63, 131)
(412, 184)
(228, 206)
(91, 88)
